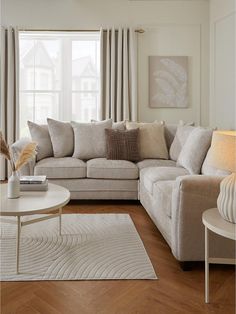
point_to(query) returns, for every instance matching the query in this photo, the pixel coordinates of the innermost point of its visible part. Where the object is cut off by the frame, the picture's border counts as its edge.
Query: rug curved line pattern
(92, 247)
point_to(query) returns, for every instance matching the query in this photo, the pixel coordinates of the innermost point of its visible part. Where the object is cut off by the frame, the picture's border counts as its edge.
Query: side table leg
(18, 244)
(206, 266)
(60, 213)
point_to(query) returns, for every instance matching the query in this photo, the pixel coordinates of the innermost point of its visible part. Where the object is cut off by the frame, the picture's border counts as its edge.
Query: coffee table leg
(206, 266)
(18, 244)
(60, 213)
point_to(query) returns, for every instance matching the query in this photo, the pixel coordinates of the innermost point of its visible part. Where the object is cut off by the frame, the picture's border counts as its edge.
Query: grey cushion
(90, 139)
(119, 125)
(170, 131)
(180, 138)
(62, 137)
(40, 135)
(61, 168)
(208, 169)
(101, 168)
(195, 149)
(148, 176)
(155, 163)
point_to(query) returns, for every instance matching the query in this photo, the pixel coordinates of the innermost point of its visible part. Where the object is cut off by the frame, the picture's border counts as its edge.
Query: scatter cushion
(180, 138)
(62, 138)
(61, 168)
(102, 168)
(152, 139)
(122, 145)
(89, 139)
(170, 132)
(209, 170)
(195, 149)
(40, 135)
(120, 125)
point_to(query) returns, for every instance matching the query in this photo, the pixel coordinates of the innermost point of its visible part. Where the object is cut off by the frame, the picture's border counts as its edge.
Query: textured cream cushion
(62, 137)
(90, 141)
(152, 139)
(149, 176)
(180, 138)
(40, 135)
(102, 168)
(61, 168)
(195, 149)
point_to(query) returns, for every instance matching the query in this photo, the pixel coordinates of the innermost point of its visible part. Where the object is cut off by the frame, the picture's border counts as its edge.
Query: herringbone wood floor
(175, 291)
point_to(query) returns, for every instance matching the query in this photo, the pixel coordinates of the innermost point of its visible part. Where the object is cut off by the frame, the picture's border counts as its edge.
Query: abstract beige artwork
(168, 82)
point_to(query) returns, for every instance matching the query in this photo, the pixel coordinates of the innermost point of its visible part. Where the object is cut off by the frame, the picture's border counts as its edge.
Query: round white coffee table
(31, 203)
(213, 221)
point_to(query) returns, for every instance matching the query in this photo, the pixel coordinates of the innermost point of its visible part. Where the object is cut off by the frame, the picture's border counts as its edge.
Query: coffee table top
(33, 202)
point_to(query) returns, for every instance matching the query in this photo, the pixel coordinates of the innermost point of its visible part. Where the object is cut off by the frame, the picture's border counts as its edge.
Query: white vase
(13, 186)
(226, 201)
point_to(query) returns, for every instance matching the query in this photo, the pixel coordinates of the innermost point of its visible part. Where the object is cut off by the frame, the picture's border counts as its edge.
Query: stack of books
(33, 183)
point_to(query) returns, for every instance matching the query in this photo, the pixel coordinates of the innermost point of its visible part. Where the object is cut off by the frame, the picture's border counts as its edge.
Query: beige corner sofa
(173, 198)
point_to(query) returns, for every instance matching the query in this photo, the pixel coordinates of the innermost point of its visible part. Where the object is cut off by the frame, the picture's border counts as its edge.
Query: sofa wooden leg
(186, 266)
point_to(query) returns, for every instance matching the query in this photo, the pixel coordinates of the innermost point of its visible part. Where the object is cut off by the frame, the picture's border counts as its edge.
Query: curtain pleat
(9, 89)
(119, 77)
(119, 74)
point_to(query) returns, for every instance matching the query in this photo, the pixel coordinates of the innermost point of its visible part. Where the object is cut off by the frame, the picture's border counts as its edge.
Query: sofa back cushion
(180, 138)
(122, 145)
(208, 169)
(195, 149)
(152, 139)
(40, 135)
(89, 139)
(62, 137)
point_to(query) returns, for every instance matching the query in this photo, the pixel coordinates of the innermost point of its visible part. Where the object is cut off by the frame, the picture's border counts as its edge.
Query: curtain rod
(140, 30)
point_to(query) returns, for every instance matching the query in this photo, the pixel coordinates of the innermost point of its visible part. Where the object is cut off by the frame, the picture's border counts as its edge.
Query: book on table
(34, 187)
(33, 179)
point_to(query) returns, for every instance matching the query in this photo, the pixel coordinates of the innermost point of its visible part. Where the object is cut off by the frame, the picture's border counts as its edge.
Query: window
(59, 76)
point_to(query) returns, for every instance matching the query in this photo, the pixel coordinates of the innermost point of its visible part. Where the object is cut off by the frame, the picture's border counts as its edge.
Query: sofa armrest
(191, 196)
(16, 148)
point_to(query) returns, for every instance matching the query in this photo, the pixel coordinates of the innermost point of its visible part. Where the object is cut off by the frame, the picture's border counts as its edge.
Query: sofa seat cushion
(102, 168)
(61, 168)
(148, 176)
(162, 193)
(155, 163)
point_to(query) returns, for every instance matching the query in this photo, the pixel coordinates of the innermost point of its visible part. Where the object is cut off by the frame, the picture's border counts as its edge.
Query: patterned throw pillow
(122, 144)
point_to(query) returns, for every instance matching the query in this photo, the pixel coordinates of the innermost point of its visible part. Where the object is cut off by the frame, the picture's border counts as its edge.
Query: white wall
(223, 64)
(172, 28)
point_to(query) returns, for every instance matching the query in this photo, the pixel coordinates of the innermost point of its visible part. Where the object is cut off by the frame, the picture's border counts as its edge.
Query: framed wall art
(168, 82)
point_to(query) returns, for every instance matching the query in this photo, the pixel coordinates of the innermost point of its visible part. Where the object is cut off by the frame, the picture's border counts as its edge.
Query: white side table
(31, 203)
(213, 221)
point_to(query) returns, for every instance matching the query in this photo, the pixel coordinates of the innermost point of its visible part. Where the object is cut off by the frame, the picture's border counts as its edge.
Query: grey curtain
(118, 74)
(9, 108)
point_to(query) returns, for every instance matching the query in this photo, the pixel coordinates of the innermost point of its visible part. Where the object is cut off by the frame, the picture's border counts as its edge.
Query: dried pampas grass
(4, 148)
(26, 154)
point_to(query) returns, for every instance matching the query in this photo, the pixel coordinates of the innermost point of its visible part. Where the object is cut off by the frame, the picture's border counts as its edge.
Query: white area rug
(92, 247)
